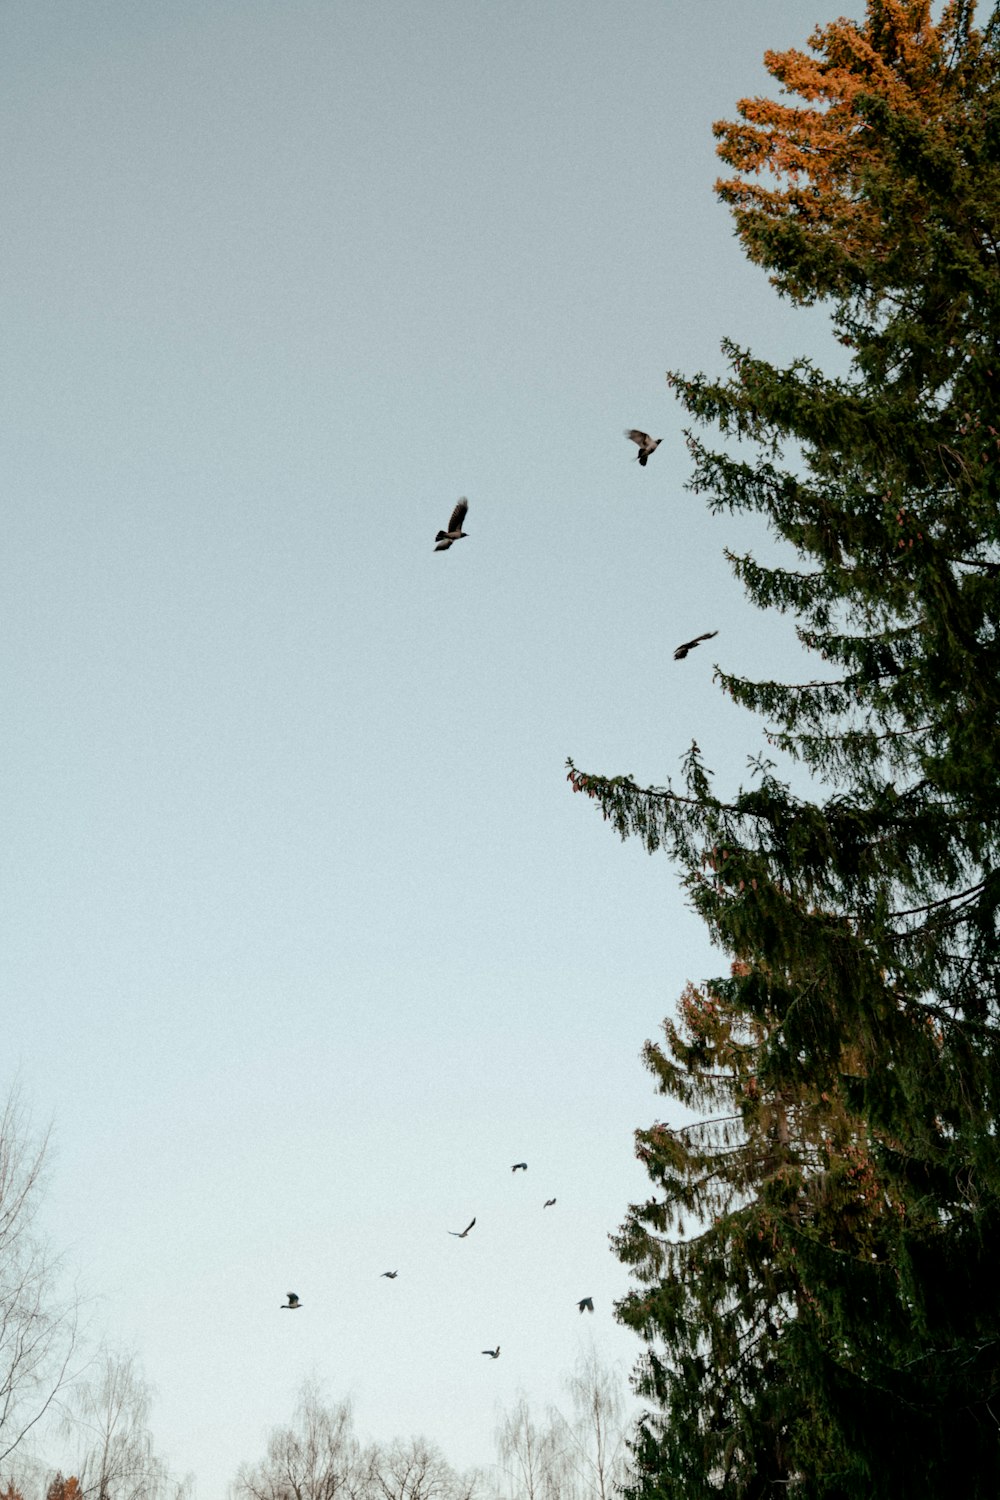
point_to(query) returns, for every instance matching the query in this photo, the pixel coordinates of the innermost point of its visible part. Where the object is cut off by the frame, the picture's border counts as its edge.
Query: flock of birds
(647, 446)
(585, 1304)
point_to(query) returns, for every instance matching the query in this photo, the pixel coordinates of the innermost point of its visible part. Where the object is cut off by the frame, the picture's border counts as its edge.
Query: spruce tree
(817, 1264)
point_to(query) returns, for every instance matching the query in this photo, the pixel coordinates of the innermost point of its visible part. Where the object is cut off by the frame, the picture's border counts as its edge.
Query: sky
(305, 938)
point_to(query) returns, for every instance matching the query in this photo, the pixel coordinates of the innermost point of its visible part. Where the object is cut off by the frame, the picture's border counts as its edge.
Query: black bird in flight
(391, 1275)
(586, 1304)
(444, 539)
(460, 1234)
(647, 444)
(292, 1303)
(682, 651)
(519, 1166)
(548, 1203)
(493, 1353)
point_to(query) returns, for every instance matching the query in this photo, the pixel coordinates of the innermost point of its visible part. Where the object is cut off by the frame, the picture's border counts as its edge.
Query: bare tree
(110, 1413)
(530, 1456)
(415, 1470)
(592, 1443)
(314, 1459)
(37, 1331)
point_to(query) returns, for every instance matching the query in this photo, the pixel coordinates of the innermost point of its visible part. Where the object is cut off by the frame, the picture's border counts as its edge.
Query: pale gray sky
(305, 938)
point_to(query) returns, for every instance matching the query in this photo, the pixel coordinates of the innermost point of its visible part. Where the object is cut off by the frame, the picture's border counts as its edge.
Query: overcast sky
(305, 938)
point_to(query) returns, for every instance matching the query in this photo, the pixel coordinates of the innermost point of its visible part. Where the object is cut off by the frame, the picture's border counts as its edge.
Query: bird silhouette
(444, 539)
(519, 1166)
(460, 1234)
(493, 1353)
(647, 444)
(391, 1275)
(586, 1304)
(292, 1303)
(548, 1203)
(682, 651)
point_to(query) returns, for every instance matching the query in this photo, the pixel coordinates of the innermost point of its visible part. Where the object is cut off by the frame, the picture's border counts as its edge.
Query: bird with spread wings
(682, 651)
(444, 539)
(647, 445)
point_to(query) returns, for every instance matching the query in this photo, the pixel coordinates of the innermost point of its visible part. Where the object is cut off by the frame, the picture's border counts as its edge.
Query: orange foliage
(63, 1489)
(824, 149)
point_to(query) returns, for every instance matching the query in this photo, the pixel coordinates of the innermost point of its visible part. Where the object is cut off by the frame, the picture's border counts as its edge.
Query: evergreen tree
(816, 1266)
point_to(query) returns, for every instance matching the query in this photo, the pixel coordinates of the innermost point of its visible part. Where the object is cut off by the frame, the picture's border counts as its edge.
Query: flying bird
(519, 1166)
(493, 1353)
(548, 1203)
(391, 1275)
(682, 651)
(444, 539)
(292, 1303)
(586, 1304)
(647, 444)
(460, 1234)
